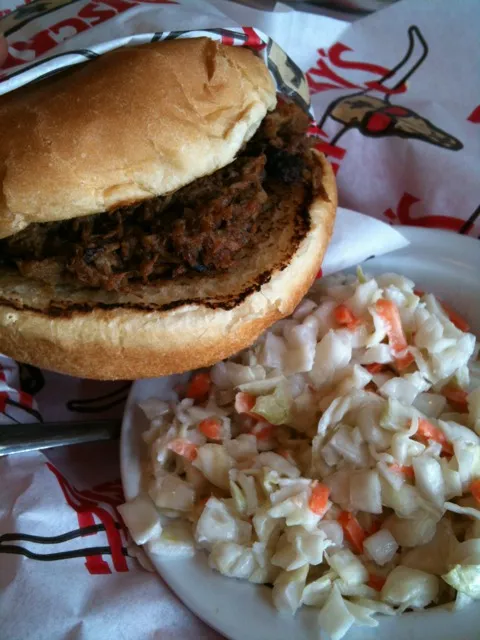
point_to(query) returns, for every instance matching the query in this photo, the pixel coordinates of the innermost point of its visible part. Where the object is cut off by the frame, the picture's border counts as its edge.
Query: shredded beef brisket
(201, 227)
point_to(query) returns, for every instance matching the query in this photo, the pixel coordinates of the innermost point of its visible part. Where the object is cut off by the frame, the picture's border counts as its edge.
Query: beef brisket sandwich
(159, 208)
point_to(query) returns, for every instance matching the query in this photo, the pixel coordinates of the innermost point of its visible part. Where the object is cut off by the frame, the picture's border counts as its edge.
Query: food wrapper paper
(398, 116)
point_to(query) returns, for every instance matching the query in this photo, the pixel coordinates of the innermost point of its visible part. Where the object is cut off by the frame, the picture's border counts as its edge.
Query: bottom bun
(181, 325)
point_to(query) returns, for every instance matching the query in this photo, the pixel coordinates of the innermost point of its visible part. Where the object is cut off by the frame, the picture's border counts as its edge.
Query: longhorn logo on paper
(475, 115)
(17, 387)
(67, 19)
(99, 403)
(370, 109)
(403, 214)
(98, 520)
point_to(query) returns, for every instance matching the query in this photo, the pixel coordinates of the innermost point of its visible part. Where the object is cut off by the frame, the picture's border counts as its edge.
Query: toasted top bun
(183, 324)
(182, 110)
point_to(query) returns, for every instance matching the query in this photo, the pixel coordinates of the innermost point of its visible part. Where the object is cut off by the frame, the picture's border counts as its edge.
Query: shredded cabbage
(407, 588)
(275, 408)
(451, 479)
(152, 408)
(344, 466)
(467, 455)
(332, 530)
(453, 357)
(277, 463)
(334, 616)
(404, 389)
(375, 605)
(466, 579)
(405, 501)
(232, 560)
(379, 354)
(243, 446)
(429, 479)
(267, 528)
(273, 351)
(396, 416)
(430, 404)
(365, 295)
(315, 593)
(215, 463)
(171, 492)
(244, 492)
(354, 590)
(432, 557)
(332, 353)
(296, 511)
(175, 542)
(366, 491)
(474, 410)
(466, 511)
(298, 547)
(301, 343)
(380, 330)
(288, 589)
(348, 566)
(362, 615)
(417, 530)
(141, 518)
(240, 374)
(218, 524)
(381, 547)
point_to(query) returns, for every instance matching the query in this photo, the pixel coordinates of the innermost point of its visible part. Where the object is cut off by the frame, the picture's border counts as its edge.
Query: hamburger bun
(135, 124)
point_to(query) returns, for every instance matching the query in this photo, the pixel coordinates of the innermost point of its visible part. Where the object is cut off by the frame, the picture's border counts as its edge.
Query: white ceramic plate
(441, 262)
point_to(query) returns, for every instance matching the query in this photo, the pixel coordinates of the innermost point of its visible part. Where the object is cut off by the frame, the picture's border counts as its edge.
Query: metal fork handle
(19, 438)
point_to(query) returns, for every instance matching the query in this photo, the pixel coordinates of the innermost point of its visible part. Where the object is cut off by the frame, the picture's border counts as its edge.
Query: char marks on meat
(201, 227)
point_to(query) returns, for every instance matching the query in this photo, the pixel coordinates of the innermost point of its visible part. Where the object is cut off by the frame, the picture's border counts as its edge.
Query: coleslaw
(336, 460)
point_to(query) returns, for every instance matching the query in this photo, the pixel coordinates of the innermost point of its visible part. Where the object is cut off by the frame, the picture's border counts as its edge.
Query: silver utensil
(19, 438)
